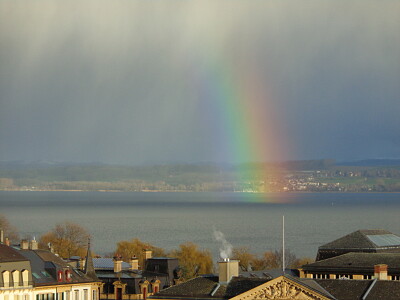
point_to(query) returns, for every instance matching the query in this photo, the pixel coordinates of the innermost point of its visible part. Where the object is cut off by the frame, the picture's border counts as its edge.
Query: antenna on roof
(283, 244)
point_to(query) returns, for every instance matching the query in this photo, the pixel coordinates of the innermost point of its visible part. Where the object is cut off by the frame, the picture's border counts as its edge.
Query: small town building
(32, 274)
(122, 280)
(15, 275)
(231, 285)
(355, 265)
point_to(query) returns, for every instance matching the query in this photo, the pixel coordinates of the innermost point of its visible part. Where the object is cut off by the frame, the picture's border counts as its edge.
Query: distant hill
(372, 163)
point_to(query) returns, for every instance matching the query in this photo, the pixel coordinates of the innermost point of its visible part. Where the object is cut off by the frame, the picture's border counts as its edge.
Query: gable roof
(364, 239)
(208, 287)
(287, 287)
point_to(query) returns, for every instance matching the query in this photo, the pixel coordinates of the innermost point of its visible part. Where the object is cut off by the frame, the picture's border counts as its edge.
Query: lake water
(169, 219)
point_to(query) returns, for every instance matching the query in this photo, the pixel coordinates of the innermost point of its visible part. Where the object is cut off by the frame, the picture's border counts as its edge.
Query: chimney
(227, 270)
(33, 244)
(381, 272)
(117, 264)
(134, 262)
(147, 254)
(1, 236)
(24, 245)
(7, 242)
(82, 263)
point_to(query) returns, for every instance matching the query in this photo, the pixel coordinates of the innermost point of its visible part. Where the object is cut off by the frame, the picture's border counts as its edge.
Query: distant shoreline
(181, 191)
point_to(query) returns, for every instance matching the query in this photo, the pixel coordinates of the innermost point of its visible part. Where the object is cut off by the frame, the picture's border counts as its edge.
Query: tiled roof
(364, 239)
(8, 254)
(356, 261)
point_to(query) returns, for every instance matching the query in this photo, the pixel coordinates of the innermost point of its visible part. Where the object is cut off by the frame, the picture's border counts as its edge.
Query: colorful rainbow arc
(248, 125)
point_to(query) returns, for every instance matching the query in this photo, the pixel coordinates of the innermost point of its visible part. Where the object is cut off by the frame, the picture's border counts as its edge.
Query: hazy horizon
(146, 82)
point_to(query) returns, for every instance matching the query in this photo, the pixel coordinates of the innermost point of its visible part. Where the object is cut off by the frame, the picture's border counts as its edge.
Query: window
(76, 295)
(395, 277)
(15, 275)
(67, 295)
(26, 297)
(85, 294)
(367, 277)
(68, 275)
(59, 276)
(25, 277)
(6, 278)
(94, 295)
(45, 274)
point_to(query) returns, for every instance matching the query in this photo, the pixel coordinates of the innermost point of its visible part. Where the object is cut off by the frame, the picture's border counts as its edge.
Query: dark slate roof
(384, 290)
(365, 239)
(107, 264)
(45, 265)
(270, 273)
(358, 289)
(199, 287)
(8, 254)
(239, 285)
(345, 289)
(122, 275)
(208, 287)
(357, 261)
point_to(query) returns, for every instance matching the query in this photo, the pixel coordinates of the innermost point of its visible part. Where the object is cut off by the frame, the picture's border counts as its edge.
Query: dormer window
(15, 275)
(59, 276)
(6, 278)
(25, 277)
(68, 275)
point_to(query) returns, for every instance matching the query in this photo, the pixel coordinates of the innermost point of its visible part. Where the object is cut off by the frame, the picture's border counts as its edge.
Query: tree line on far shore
(69, 239)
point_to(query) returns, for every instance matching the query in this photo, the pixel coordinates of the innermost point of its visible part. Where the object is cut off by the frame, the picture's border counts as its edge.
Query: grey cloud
(117, 81)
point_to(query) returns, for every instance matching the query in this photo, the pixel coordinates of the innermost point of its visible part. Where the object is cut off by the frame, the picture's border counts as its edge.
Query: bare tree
(10, 231)
(66, 239)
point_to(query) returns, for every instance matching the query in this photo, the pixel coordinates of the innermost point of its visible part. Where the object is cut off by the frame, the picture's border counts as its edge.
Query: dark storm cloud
(113, 81)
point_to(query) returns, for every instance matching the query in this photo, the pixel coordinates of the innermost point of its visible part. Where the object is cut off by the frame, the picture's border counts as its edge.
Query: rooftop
(364, 239)
(356, 261)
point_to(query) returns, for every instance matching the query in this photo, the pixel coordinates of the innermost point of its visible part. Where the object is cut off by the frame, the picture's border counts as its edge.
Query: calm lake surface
(169, 219)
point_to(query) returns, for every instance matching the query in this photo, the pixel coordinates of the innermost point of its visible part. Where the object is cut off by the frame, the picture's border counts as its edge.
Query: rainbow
(248, 128)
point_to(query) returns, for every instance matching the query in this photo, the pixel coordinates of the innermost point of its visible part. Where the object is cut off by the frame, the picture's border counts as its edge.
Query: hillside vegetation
(311, 175)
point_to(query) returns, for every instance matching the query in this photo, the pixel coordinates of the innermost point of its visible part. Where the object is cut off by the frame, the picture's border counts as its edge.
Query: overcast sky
(120, 81)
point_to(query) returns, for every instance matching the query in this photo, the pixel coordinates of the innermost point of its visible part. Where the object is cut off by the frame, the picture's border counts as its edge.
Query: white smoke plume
(225, 251)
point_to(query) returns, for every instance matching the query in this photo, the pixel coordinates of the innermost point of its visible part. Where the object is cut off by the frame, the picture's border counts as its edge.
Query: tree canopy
(10, 231)
(135, 247)
(67, 239)
(193, 260)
